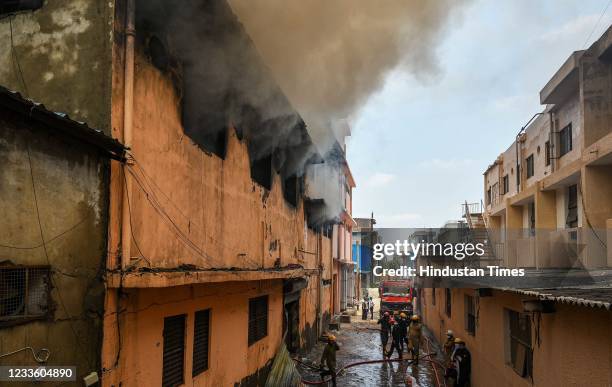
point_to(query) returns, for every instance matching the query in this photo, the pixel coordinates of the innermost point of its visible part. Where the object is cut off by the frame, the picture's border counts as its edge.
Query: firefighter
(385, 329)
(328, 358)
(415, 336)
(462, 361)
(403, 322)
(449, 344)
(396, 340)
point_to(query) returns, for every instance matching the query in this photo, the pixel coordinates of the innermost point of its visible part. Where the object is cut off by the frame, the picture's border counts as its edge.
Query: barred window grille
(201, 339)
(24, 293)
(174, 351)
(258, 319)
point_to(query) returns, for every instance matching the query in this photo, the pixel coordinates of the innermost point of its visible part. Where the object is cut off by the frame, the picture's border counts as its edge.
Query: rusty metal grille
(201, 335)
(174, 350)
(258, 319)
(24, 293)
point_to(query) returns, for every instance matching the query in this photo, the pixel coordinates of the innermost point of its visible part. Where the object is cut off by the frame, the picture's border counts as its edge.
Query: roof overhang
(564, 82)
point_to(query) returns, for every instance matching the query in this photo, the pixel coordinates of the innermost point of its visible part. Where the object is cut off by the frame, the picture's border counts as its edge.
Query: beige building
(548, 209)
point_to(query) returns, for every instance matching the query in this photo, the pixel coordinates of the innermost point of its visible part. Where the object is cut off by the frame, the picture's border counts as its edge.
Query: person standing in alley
(385, 329)
(449, 344)
(371, 309)
(365, 306)
(328, 359)
(403, 322)
(462, 360)
(396, 340)
(415, 336)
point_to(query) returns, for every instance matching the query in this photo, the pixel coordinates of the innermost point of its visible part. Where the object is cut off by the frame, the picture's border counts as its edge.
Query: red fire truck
(396, 296)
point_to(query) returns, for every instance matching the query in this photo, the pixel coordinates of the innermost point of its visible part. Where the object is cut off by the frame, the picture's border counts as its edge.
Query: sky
(419, 146)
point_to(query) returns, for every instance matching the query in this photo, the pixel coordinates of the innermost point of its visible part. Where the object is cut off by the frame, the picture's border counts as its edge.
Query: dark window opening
(489, 196)
(258, 319)
(261, 171)
(433, 296)
(292, 189)
(506, 184)
(521, 351)
(449, 303)
(565, 140)
(571, 220)
(529, 162)
(24, 294)
(12, 6)
(531, 213)
(174, 350)
(547, 152)
(470, 315)
(201, 339)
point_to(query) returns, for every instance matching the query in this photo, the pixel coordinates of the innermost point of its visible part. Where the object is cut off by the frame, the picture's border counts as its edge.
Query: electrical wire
(59, 294)
(15, 57)
(34, 247)
(130, 219)
(41, 356)
(596, 24)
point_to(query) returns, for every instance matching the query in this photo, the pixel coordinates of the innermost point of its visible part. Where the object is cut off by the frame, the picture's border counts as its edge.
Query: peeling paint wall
(60, 55)
(71, 191)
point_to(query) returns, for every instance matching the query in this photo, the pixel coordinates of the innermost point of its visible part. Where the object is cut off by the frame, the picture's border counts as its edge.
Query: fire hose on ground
(350, 365)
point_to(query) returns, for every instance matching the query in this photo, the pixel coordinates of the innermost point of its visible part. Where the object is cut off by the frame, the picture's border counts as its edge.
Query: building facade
(214, 254)
(54, 185)
(548, 209)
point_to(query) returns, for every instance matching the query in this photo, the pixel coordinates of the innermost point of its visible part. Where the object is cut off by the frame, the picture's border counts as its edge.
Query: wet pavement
(360, 341)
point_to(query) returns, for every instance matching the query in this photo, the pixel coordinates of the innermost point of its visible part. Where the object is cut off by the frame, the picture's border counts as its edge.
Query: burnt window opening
(201, 340)
(14, 6)
(24, 293)
(261, 171)
(258, 319)
(292, 189)
(174, 351)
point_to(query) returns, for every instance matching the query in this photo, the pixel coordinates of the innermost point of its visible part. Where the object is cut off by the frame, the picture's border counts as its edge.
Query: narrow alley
(359, 341)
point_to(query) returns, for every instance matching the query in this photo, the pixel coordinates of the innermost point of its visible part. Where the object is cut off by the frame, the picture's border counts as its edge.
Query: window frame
(256, 317)
(448, 307)
(45, 270)
(514, 340)
(197, 369)
(547, 154)
(506, 184)
(565, 140)
(529, 163)
(167, 352)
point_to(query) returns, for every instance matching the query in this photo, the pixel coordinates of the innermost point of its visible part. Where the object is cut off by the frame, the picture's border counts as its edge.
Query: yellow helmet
(331, 337)
(415, 318)
(458, 340)
(403, 315)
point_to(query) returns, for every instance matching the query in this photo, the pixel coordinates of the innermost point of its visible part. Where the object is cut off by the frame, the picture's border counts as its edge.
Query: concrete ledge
(163, 279)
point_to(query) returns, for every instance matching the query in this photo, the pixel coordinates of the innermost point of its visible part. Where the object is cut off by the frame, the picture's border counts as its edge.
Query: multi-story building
(364, 237)
(54, 205)
(213, 253)
(548, 209)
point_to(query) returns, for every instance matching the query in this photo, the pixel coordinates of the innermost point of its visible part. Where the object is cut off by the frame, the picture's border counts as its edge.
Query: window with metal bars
(201, 338)
(520, 351)
(24, 293)
(529, 163)
(174, 350)
(258, 319)
(571, 219)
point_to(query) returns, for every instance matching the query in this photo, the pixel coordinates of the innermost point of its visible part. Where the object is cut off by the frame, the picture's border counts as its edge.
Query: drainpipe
(516, 143)
(128, 108)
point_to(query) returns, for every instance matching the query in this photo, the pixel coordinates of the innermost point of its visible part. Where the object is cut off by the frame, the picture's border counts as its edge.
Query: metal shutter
(258, 319)
(200, 341)
(174, 350)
